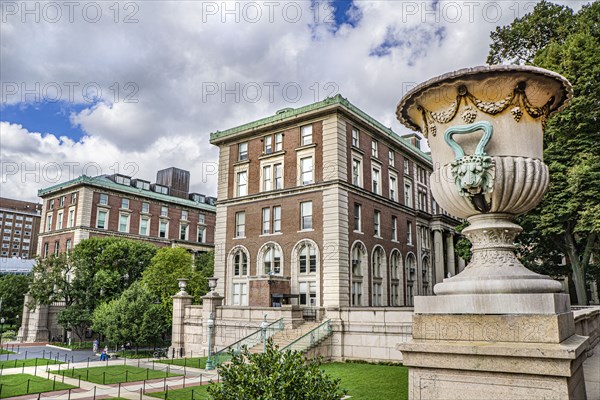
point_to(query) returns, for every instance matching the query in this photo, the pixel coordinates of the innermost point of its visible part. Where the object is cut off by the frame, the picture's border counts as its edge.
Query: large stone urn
(497, 329)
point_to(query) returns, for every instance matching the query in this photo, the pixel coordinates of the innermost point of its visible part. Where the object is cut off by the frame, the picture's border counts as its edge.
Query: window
(164, 211)
(50, 205)
(378, 256)
(74, 198)
(125, 204)
(62, 201)
(240, 294)
(306, 135)
(68, 246)
(391, 158)
(355, 137)
(201, 234)
(48, 223)
(406, 167)
(356, 293)
(357, 220)
(71, 221)
(278, 171)
(123, 180)
(240, 224)
(268, 144)
(409, 232)
(242, 183)
(145, 207)
(395, 228)
(201, 218)
(103, 199)
(46, 249)
(356, 172)
(374, 149)
(272, 260)
(276, 219)
(377, 223)
(375, 179)
(59, 220)
(307, 259)
(162, 229)
(278, 141)
(56, 247)
(306, 165)
(306, 215)
(393, 188)
(408, 194)
(308, 293)
(184, 215)
(267, 178)
(123, 222)
(266, 221)
(144, 222)
(183, 232)
(240, 263)
(243, 151)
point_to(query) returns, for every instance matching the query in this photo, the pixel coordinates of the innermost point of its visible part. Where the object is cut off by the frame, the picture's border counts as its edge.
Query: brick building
(19, 224)
(118, 205)
(325, 204)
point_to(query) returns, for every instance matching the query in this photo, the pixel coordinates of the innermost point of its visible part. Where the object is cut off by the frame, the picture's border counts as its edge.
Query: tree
(274, 375)
(567, 221)
(170, 264)
(135, 317)
(12, 294)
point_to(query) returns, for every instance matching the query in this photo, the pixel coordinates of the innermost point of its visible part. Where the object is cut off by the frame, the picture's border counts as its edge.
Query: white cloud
(180, 57)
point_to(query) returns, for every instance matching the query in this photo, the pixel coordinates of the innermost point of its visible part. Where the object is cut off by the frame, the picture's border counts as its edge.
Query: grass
(362, 381)
(16, 385)
(195, 362)
(30, 362)
(3, 351)
(114, 374)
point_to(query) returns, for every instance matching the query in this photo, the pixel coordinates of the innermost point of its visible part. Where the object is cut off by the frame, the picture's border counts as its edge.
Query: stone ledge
(513, 303)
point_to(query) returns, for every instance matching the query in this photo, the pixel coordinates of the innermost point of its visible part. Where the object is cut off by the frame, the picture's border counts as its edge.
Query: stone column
(438, 254)
(450, 254)
(461, 264)
(180, 301)
(210, 302)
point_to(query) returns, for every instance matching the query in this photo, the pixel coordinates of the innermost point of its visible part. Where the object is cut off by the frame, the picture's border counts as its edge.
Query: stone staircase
(287, 336)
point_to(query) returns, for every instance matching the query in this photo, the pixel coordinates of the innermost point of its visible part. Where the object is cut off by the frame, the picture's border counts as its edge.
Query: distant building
(19, 224)
(16, 266)
(162, 213)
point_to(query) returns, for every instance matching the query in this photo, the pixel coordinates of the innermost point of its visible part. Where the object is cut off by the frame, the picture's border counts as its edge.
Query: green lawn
(195, 362)
(362, 381)
(30, 362)
(3, 351)
(16, 385)
(114, 374)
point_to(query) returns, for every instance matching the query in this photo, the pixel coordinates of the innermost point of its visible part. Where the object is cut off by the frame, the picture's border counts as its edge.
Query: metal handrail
(249, 341)
(311, 338)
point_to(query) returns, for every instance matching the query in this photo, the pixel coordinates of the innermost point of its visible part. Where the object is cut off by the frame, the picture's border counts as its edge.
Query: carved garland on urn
(517, 98)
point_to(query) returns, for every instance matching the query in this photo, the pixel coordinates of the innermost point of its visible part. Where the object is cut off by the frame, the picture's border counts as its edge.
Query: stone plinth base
(492, 346)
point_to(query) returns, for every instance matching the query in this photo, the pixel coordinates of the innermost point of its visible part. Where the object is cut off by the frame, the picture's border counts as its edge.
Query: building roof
(15, 265)
(19, 206)
(338, 100)
(105, 183)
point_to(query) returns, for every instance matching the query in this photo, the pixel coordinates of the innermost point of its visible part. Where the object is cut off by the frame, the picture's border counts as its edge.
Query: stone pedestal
(210, 302)
(509, 346)
(180, 301)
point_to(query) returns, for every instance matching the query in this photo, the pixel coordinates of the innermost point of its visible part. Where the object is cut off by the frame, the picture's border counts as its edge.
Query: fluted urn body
(485, 129)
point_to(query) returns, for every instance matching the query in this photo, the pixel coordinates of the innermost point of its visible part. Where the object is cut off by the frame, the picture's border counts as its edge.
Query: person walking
(95, 346)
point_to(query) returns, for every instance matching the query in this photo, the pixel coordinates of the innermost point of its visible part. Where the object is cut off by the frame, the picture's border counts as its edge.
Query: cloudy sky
(136, 86)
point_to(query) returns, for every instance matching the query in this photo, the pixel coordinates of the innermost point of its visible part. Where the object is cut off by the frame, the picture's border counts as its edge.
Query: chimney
(177, 180)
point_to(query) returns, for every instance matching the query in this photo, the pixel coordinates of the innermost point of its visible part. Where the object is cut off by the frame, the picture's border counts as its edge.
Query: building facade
(326, 206)
(118, 205)
(19, 224)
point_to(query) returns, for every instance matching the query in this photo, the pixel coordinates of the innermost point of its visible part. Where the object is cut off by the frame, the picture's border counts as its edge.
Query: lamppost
(209, 362)
(1, 328)
(264, 333)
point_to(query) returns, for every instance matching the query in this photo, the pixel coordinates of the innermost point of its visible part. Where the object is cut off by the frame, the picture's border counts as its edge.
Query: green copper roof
(336, 100)
(103, 182)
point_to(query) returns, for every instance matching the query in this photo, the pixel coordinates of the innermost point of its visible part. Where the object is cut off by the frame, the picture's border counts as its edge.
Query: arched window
(307, 259)
(272, 260)
(358, 256)
(411, 274)
(395, 271)
(426, 273)
(240, 263)
(378, 276)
